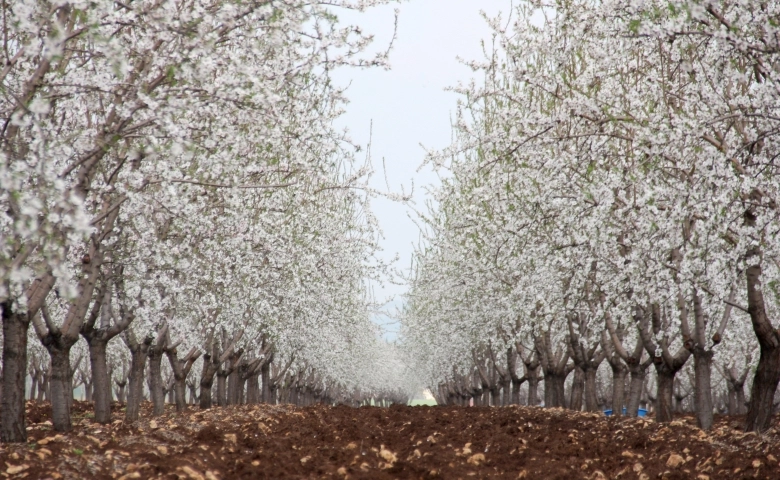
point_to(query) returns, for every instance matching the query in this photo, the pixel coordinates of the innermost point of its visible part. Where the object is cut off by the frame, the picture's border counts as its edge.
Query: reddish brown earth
(282, 441)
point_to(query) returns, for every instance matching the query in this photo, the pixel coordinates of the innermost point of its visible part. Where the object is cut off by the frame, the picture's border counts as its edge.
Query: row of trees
(248, 376)
(613, 196)
(507, 378)
(172, 186)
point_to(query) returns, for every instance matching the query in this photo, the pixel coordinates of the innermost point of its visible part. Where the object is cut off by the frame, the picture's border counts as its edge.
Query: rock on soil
(281, 441)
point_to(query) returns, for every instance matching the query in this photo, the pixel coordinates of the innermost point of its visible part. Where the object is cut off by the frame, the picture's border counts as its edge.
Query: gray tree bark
(156, 384)
(138, 354)
(181, 369)
(556, 368)
(13, 426)
(767, 376)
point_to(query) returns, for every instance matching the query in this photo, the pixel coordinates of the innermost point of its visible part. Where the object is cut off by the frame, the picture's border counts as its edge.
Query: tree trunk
(33, 386)
(233, 387)
(554, 390)
(156, 388)
(555, 369)
(253, 390)
(12, 421)
(516, 384)
(265, 375)
(586, 361)
(619, 374)
(550, 398)
(136, 380)
(61, 387)
(206, 381)
(533, 391)
(506, 392)
(532, 368)
(731, 396)
(679, 398)
(702, 393)
(205, 393)
(762, 392)
(221, 389)
(767, 375)
(179, 392)
(193, 394)
(495, 396)
(100, 380)
(577, 387)
(665, 393)
(636, 387)
(42, 386)
(242, 390)
(591, 394)
(88, 392)
(47, 390)
(741, 402)
(181, 369)
(120, 395)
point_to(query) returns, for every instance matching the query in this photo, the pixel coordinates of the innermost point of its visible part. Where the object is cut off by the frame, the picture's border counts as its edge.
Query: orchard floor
(375, 443)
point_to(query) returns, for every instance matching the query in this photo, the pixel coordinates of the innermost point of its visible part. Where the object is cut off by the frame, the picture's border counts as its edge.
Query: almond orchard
(188, 248)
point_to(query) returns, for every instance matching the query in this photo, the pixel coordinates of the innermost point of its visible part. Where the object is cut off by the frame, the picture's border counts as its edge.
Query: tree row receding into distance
(179, 213)
(611, 209)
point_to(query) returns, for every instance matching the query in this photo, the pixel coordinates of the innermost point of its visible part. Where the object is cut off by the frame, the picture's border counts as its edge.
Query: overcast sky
(408, 104)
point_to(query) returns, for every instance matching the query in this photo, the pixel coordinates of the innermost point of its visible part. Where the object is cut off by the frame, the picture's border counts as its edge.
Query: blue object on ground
(640, 413)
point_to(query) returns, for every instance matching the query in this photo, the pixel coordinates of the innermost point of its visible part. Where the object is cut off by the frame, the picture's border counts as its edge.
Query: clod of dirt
(675, 461)
(387, 455)
(13, 470)
(192, 474)
(47, 440)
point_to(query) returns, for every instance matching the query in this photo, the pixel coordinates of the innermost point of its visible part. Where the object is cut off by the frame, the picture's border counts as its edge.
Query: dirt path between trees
(281, 441)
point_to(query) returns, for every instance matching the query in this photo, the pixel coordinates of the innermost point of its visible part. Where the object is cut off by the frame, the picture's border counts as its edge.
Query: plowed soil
(281, 441)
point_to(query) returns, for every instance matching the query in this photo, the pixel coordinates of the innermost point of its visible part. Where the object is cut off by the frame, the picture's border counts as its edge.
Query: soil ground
(281, 441)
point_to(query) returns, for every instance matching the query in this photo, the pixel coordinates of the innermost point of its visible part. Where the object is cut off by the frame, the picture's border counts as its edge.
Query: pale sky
(408, 105)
